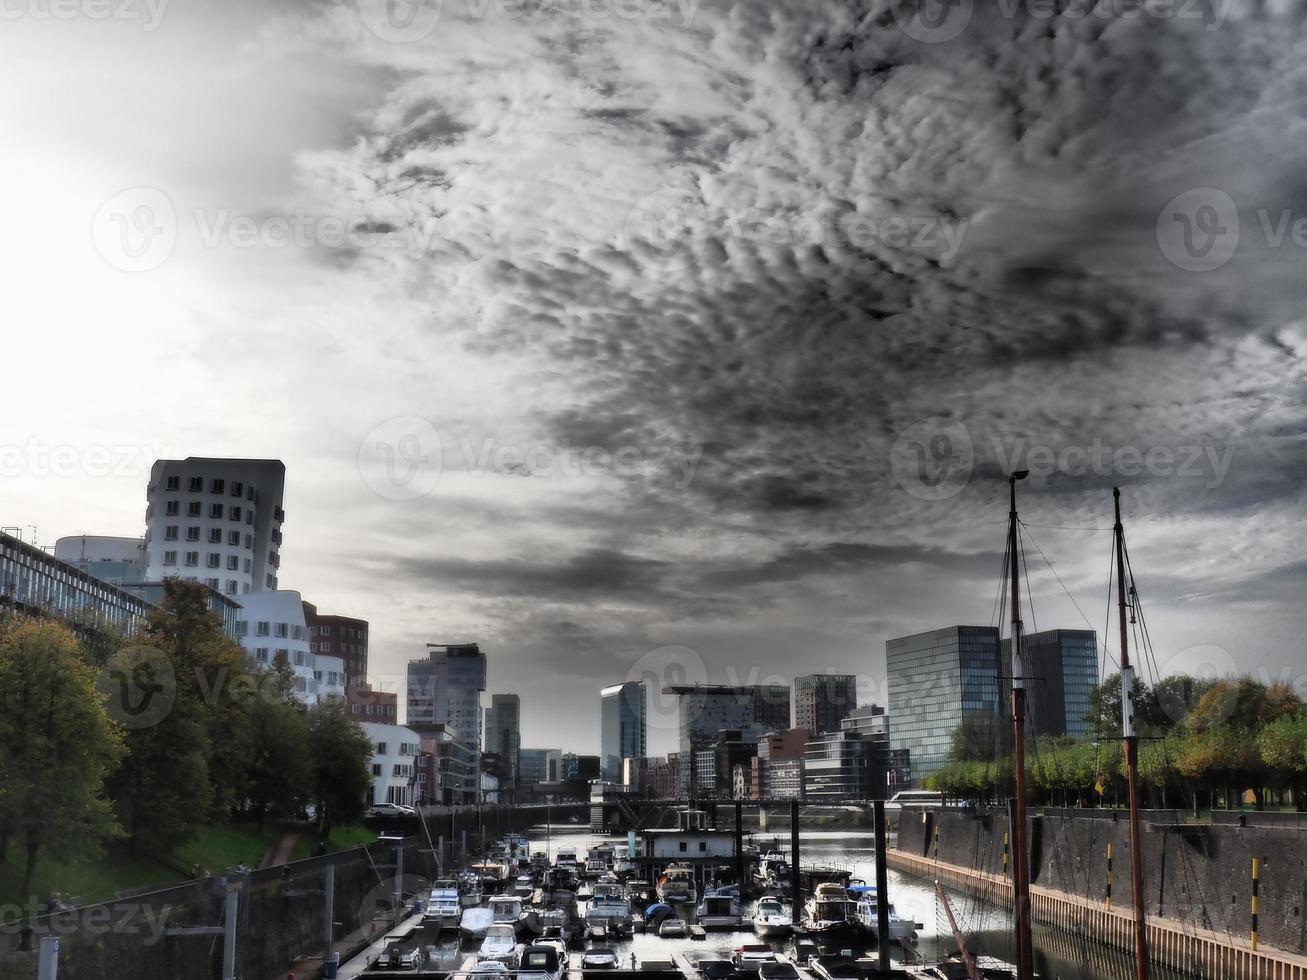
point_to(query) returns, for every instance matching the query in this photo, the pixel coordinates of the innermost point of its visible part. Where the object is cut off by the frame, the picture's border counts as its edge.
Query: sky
(684, 340)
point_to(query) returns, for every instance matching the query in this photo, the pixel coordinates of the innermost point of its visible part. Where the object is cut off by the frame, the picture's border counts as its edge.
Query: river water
(1059, 955)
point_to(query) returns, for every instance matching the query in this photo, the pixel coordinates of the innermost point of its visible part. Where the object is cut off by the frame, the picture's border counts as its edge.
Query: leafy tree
(1175, 696)
(1283, 748)
(278, 771)
(57, 745)
(980, 737)
(1105, 708)
(340, 755)
(1243, 704)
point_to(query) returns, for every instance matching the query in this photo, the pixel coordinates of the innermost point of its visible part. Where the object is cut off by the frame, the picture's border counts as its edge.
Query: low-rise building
(396, 751)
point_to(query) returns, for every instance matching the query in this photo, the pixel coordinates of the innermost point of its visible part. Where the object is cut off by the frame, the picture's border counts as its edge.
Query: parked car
(599, 958)
(390, 810)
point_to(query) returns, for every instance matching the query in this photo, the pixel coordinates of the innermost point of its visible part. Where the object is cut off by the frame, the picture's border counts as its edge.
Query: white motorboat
(443, 909)
(771, 920)
(499, 946)
(676, 885)
(474, 923)
(901, 930)
(673, 929)
(524, 887)
(718, 911)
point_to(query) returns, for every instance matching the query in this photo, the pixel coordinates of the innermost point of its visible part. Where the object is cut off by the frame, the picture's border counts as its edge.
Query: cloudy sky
(674, 338)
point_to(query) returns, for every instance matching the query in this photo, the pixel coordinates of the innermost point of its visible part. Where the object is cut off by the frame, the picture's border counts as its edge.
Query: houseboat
(676, 885)
(832, 915)
(718, 911)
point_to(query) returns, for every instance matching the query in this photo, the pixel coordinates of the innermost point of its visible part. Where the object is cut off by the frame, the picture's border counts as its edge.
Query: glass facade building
(705, 710)
(935, 680)
(822, 701)
(1061, 668)
(622, 727)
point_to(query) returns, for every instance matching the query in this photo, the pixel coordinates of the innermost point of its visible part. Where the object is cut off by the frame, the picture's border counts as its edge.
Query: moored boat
(771, 920)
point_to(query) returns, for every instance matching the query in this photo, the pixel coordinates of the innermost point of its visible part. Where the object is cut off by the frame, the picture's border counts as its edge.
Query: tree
(277, 779)
(1242, 703)
(980, 737)
(340, 755)
(1105, 708)
(1283, 748)
(57, 745)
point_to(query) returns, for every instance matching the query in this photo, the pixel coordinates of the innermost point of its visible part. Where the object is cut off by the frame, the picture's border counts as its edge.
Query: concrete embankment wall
(1199, 879)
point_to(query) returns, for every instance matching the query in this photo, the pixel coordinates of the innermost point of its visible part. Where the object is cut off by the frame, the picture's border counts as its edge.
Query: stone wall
(1197, 875)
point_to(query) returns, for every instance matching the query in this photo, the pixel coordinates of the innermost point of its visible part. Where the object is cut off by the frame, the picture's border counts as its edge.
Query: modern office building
(395, 753)
(504, 735)
(216, 521)
(32, 581)
(705, 710)
(774, 749)
(852, 763)
(537, 766)
(444, 688)
(339, 636)
(936, 679)
(622, 726)
(1061, 668)
(271, 628)
(822, 701)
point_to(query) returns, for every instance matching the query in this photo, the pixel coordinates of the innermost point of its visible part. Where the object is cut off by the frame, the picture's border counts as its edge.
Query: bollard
(1257, 875)
(1005, 871)
(1109, 876)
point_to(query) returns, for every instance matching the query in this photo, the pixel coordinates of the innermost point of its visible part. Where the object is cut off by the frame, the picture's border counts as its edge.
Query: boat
(836, 968)
(594, 867)
(566, 859)
(718, 911)
(474, 923)
(443, 909)
(676, 885)
(901, 930)
(673, 929)
(752, 955)
(540, 963)
(771, 920)
(831, 915)
(491, 875)
(505, 908)
(524, 887)
(610, 910)
(469, 889)
(499, 946)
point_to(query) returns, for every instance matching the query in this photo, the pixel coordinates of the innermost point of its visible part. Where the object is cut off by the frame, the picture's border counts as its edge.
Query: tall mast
(1020, 866)
(1131, 749)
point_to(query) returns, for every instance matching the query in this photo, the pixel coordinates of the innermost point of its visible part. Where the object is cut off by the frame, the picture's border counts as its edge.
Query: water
(1059, 955)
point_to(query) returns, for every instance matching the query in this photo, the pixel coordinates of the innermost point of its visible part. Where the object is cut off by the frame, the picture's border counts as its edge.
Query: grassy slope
(217, 848)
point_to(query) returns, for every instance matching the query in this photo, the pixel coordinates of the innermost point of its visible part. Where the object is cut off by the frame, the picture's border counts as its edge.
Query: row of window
(212, 560)
(216, 485)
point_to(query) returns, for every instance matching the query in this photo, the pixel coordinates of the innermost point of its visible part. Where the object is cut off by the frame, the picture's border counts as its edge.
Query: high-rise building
(444, 689)
(1061, 668)
(622, 726)
(822, 701)
(705, 710)
(217, 521)
(935, 680)
(340, 636)
(504, 732)
(539, 766)
(852, 763)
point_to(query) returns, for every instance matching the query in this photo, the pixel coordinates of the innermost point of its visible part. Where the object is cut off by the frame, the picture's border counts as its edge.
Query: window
(684, 847)
(170, 532)
(376, 769)
(381, 748)
(262, 654)
(193, 533)
(216, 486)
(242, 627)
(214, 560)
(170, 558)
(249, 494)
(263, 628)
(172, 508)
(192, 558)
(235, 514)
(299, 658)
(233, 562)
(234, 539)
(215, 535)
(173, 483)
(272, 582)
(313, 648)
(197, 484)
(237, 488)
(283, 630)
(215, 511)
(194, 509)
(211, 583)
(703, 846)
(249, 542)
(297, 632)
(248, 566)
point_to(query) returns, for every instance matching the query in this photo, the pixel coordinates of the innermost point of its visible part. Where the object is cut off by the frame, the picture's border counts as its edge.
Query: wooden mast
(1020, 866)
(1131, 746)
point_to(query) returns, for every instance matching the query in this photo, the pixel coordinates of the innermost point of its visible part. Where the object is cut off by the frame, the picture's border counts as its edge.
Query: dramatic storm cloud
(614, 326)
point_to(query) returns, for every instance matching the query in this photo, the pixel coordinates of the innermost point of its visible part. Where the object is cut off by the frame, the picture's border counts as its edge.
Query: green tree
(57, 745)
(279, 763)
(980, 737)
(1283, 748)
(340, 755)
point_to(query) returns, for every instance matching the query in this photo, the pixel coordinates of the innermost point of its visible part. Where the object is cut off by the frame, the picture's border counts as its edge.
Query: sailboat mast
(1020, 866)
(1131, 747)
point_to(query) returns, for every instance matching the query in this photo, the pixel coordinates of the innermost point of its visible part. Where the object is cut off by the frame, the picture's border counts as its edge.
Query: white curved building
(271, 626)
(216, 521)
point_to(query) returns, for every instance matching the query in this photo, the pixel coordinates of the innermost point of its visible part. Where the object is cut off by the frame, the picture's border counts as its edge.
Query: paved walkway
(281, 854)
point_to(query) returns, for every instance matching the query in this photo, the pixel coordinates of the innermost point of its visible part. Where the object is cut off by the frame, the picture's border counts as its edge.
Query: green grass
(115, 870)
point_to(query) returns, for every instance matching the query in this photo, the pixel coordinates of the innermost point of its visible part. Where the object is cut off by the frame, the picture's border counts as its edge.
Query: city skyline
(786, 428)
